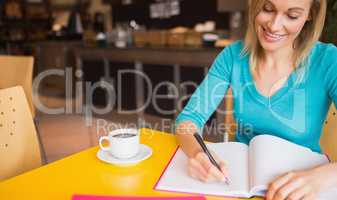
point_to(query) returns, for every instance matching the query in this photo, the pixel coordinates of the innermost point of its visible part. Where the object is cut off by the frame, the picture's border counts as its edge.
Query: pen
(209, 155)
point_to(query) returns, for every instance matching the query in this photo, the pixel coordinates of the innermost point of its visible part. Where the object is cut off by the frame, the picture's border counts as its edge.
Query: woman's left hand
(303, 185)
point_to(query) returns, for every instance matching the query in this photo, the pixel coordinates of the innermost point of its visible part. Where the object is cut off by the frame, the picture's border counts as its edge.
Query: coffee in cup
(123, 143)
(124, 135)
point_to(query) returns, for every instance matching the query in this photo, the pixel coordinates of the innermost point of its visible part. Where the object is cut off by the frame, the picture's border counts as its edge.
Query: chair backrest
(229, 117)
(18, 70)
(329, 134)
(19, 147)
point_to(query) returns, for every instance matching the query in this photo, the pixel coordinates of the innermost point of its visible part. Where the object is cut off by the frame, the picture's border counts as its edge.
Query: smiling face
(280, 22)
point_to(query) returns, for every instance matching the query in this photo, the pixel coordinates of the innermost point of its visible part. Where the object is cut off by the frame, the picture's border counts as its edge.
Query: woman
(283, 82)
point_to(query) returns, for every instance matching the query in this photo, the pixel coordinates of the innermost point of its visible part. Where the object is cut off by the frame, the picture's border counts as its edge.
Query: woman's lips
(269, 37)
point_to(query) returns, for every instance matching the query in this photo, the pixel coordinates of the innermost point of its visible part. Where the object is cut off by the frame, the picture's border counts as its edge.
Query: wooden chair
(19, 145)
(229, 118)
(18, 70)
(329, 134)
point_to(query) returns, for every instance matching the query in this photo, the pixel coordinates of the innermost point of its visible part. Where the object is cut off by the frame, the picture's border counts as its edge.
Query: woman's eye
(292, 17)
(267, 8)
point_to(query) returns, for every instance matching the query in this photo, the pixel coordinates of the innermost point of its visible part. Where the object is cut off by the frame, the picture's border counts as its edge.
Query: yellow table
(83, 173)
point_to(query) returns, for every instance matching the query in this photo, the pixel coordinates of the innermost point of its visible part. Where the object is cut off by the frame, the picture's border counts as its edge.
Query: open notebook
(251, 167)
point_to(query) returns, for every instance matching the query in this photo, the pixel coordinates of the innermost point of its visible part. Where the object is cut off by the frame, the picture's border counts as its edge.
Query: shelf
(19, 23)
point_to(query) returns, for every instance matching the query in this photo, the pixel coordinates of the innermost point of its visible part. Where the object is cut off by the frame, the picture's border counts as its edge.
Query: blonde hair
(304, 42)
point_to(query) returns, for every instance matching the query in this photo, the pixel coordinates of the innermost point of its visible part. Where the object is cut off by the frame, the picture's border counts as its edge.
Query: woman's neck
(279, 60)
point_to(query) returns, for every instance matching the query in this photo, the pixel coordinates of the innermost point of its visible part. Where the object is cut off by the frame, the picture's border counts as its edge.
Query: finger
(196, 175)
(215, 156)
(203, 159)
(217, 174)
(210, 178)
(275, 185)
(299, 193)
(284, 191)
(221, 163)
(210, 168)
(195, 164)
(309, 197)
(191, 173)
(223, 168)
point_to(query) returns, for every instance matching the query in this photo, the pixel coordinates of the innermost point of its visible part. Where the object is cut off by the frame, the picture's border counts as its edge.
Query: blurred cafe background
(99, 65)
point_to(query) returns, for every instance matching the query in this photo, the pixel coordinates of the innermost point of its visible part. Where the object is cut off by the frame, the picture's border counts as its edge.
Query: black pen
(209, 155)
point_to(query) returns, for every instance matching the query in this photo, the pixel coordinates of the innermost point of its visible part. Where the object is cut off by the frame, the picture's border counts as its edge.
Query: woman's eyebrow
(270, 3)
(296, 9)
(290, 9)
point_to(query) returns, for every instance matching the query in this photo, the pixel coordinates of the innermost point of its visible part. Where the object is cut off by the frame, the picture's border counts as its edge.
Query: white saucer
(144, 153)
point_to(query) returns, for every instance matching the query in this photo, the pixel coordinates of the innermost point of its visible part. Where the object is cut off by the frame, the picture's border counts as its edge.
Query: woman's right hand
(201, 168)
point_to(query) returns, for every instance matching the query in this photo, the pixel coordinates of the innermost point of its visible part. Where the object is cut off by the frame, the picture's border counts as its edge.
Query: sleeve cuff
(180, 120)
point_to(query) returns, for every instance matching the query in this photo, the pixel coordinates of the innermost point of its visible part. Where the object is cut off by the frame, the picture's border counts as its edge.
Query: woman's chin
(271, 46)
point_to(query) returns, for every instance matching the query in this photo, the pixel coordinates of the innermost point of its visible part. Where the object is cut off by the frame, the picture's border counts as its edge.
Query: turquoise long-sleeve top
(295, 112)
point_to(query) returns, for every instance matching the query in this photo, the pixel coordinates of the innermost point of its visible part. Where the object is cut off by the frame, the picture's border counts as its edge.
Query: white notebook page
(272, 156)
(175, 178)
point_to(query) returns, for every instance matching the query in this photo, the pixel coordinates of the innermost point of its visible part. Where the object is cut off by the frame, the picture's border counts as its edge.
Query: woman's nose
(275, 24)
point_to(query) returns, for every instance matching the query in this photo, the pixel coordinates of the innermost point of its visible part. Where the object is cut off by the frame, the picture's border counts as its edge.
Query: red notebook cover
(92, 197)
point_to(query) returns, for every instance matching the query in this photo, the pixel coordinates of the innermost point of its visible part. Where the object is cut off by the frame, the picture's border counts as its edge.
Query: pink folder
(92, 197)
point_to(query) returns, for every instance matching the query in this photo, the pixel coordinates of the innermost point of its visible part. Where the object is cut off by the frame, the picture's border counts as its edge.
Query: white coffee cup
(123, 143)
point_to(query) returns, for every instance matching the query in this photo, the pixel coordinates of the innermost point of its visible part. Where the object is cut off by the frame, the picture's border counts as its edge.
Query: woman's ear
(309, 17)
